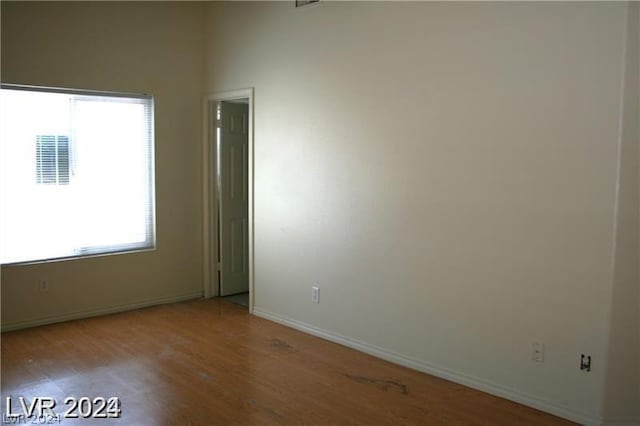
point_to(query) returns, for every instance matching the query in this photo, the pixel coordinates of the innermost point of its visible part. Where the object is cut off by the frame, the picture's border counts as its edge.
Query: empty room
(320, 212)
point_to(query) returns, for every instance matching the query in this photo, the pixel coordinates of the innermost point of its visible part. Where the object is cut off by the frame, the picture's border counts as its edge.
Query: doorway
(228, 190)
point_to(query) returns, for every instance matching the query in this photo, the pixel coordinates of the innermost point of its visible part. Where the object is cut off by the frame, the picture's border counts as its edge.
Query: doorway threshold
(239, 299)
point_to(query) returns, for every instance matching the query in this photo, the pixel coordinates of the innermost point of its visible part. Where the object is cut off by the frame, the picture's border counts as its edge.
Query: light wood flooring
(210, 362)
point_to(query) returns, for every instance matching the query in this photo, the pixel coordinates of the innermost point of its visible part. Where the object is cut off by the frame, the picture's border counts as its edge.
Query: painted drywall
(622, 402)
(637, 9)
(143, 47)
(446, 174)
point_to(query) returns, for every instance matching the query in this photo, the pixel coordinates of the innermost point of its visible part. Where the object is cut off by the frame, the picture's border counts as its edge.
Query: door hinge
(219, 266)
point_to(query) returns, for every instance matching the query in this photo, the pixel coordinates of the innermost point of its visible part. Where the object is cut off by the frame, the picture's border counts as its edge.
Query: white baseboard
(425, 367)
(622, 422)
(16, 325)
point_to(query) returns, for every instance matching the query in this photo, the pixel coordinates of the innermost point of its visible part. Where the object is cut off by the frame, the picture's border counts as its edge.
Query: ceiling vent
(300, 3)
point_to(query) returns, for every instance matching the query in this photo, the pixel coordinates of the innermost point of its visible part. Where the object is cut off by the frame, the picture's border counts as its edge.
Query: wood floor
(210, 362)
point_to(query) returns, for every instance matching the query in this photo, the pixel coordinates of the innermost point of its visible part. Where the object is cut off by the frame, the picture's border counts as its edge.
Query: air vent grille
(300, 3)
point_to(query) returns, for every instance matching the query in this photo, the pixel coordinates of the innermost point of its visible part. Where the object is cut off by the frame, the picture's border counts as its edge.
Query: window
(52, 160)
(76, 173)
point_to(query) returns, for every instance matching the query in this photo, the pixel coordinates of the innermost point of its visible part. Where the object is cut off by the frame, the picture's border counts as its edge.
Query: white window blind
(76, 173)
(52, 159)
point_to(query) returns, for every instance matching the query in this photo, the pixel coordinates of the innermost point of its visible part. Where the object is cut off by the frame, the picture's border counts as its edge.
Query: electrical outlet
(315, 294)
(537, 353)
(585, 362)
(43, 285)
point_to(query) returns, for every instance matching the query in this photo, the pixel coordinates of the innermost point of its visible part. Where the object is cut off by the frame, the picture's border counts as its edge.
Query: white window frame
(95, 251)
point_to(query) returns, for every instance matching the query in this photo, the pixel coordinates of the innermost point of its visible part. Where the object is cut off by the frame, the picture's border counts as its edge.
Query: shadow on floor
(239, 299)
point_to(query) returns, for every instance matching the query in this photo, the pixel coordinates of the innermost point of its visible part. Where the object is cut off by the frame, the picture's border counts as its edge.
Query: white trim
(49, 89)
(435, 370)
(209, 290)
(210, 280)
(630, 421)
(16, 325)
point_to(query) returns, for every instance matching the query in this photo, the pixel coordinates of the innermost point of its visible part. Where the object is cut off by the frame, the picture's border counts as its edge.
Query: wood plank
(210, 362)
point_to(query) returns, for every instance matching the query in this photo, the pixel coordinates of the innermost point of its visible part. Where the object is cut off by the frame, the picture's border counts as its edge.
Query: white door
(233, 197)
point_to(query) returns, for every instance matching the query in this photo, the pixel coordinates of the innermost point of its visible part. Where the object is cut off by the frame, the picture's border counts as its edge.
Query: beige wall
(623, 380)
(130, 47)
(446, 173)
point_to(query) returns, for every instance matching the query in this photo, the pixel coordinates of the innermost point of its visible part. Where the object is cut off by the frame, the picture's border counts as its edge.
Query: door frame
(210, 282)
